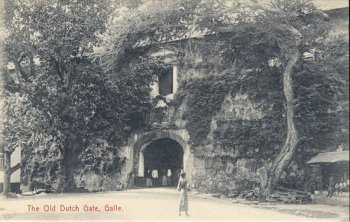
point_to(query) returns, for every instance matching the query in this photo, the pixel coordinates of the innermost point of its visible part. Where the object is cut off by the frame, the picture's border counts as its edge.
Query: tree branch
(21, 71)
(32, 65)
(21, 57)
(19, 165)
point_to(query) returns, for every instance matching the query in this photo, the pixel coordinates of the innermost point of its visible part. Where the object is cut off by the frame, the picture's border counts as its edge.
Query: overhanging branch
(19, 165)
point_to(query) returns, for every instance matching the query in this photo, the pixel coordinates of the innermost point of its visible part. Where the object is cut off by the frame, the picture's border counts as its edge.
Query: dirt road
(154, 204)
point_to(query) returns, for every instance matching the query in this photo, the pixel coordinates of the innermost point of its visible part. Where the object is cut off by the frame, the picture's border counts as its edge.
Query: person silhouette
(183, 188)
(148, 178)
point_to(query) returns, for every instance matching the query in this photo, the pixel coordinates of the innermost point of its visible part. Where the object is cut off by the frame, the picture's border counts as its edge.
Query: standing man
(169, 176)
(164, 178)
(183, 187)
(330, 187)
(148, 178)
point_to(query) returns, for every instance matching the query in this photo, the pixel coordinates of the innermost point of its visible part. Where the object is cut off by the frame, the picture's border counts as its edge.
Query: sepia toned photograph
(174, 110)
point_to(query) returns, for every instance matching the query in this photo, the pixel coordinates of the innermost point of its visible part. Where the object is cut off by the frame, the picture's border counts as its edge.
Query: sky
(331, 4)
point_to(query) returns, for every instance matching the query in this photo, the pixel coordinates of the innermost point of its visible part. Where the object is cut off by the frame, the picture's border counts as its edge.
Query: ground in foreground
(157, 204)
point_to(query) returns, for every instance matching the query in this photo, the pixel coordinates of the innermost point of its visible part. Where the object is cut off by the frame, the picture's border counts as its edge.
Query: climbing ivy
(249, 137)
(205, 96)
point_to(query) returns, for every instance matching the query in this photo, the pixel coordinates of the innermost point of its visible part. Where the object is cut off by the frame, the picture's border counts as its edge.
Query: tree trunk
(66, 178)
(7, 159)
(285, 156)
(7, 174)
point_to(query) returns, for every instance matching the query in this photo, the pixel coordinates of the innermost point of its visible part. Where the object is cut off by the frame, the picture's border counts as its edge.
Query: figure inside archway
(163, 157)
(164, 178)
(148, 178)
(169, 173)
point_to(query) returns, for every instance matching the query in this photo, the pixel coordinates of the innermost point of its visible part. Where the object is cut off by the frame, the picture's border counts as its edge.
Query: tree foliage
(67, 105)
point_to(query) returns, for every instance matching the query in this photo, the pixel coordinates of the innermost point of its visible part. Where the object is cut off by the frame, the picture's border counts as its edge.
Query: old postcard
(155, 110)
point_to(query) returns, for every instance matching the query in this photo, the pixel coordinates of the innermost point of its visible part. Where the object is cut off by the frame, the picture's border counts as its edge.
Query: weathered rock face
(96, 182)
(106, 179)
(218, 174)
(225, 170)
(240, 107)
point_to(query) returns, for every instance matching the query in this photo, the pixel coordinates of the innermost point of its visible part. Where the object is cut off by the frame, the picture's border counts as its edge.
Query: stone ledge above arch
(159, 134)
(163, 50)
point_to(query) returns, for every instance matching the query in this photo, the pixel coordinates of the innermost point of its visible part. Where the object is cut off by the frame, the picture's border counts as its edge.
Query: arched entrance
(163, 157)
(160, 149)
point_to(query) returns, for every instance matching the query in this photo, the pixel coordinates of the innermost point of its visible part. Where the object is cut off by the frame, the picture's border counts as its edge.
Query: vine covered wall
(236, 126)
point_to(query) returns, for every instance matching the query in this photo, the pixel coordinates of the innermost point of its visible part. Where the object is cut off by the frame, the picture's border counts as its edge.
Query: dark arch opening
(165, 158)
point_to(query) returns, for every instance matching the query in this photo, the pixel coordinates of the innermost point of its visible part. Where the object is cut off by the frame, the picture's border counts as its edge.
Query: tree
(47, 45)
(290, 54)
(304, 30)
(2, 62)
(6, 110)
(17, 117)
(68, 107)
